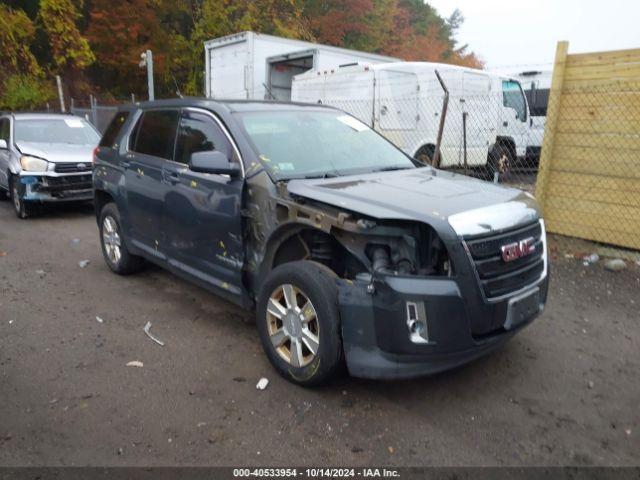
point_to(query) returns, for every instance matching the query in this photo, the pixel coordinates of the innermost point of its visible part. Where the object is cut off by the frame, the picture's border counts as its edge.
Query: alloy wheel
(292, 324)
(111, 239)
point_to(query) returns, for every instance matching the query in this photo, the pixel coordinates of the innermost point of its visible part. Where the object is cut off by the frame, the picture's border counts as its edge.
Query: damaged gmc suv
(348, 250)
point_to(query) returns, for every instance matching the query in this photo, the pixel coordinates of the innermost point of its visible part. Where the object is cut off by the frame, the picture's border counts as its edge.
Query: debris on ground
(146, 329)
(568, 255)
(75, 241)
(628, 431)
(593, 258)
(99, 320)
(3, 254)
(390, 449)
(615, 265)
(590, 384)
(262, 383)
(135, 363)
(83, 263)
(41, 273)
(202, 424)
(239, 379)
(10, 322)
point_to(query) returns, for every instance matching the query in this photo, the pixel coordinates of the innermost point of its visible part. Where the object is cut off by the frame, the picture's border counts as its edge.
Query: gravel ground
(564, 391)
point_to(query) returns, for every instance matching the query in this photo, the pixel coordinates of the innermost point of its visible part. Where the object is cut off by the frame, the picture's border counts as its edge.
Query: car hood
(442, 199)
(58, 152)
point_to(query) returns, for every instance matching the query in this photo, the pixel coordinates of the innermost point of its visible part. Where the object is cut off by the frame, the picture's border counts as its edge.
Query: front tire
(299, 322)
(21, 207)
(114, 248)
(500, 162)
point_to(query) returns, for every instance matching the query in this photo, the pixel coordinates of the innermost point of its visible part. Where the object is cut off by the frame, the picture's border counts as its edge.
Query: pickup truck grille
(72, 167)
(498, 277)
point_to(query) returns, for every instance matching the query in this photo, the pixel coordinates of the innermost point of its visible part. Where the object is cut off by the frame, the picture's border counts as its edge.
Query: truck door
(397, 99)
(202, 222)
(515, 122)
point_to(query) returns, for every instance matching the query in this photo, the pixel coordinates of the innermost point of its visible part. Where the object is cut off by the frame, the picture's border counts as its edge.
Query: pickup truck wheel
(22, 207)
(425, 154)
(299, 322)
(500, 161)
(114, 248)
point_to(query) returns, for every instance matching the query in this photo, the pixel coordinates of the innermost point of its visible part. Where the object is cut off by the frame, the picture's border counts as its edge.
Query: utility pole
(147, 61)
(60, 93)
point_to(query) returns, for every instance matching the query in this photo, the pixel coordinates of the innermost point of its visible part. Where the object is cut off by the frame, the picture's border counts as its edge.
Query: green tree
(17, 32)
(69, 49)
(25, 92)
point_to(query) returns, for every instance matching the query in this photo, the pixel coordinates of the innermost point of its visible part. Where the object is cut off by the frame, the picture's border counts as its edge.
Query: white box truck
(249, 65)
(403, 101)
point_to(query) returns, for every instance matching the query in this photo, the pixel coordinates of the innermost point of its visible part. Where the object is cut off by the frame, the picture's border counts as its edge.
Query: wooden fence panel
(589, 177)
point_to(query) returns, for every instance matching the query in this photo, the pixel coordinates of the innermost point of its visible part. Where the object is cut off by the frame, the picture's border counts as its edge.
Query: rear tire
(114, 248)
(299, 322)
(21, 207)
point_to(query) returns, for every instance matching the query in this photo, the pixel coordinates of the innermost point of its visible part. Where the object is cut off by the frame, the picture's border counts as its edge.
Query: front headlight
(33, 164)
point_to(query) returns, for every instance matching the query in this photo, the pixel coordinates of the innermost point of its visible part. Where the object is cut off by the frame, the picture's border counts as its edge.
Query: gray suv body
(347, 249)
(45, 158)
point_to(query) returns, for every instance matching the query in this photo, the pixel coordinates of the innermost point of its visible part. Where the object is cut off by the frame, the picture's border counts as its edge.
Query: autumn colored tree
(118, 33)
(96, 44)
(69, 50)
(408, 29)
(17, 32)
(22, 85)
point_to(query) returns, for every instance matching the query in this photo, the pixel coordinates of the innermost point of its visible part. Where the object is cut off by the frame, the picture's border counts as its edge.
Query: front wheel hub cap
(292, 324)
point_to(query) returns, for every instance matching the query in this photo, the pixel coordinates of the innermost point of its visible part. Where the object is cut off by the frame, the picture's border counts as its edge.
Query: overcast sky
(508, 33)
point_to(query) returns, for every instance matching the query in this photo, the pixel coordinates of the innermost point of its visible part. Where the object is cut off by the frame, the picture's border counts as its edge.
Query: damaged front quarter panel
(283, 227)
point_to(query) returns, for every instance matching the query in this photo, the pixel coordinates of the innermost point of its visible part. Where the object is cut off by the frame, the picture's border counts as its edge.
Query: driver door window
(198, 132)
(512, 97)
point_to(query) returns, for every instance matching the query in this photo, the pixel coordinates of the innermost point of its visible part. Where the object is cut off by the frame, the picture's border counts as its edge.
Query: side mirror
(213, 162)
(3, 144)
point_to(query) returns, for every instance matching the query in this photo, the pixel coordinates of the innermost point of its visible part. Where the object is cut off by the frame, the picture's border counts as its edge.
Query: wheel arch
(100, 199)
(507, 142)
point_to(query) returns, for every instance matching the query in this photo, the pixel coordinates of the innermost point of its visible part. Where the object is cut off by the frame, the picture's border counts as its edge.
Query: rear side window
(112, 131)
(156, 134)
(199, 133)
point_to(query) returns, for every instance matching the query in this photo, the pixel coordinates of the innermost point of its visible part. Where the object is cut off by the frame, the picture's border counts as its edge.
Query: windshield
(305, 144)
(60, 130)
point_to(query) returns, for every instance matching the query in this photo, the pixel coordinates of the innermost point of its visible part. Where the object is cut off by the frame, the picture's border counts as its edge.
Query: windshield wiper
(321, 175)
(391, 169)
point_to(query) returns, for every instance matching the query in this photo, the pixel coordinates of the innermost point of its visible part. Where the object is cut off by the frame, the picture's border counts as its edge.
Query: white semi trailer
(487, 118)
(250, 65)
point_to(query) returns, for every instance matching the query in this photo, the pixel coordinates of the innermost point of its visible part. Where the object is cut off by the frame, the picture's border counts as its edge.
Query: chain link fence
(589, 180)
(98, 115)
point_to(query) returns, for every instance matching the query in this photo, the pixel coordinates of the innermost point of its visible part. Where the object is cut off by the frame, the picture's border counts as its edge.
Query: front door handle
(172, 177)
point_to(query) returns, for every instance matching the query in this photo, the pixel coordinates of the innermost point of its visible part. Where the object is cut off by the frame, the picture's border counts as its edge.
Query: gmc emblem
(516, 250)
